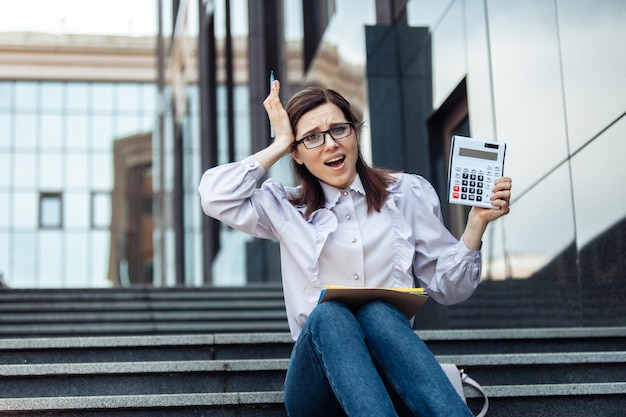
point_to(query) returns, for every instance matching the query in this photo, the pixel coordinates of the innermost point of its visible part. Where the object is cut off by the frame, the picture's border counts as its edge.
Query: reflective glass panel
(51, 171)
(76, 213)
(25, 210)
(25, 170)
(528, 97)
(77, 133)
(25, 131)
(149, 96)
(6, 94)
(51, 132)
(127, 126)
(100, 258)
(5, 205)
(448, 46)
(128, 97)
(52, 97)
(101, 166)
(101, 209)
(102, 132)
(592, 37)
(6, 129)
(76, 256)
(426, 13)
(77, 97)
(102, 94)
(601, 159)
(5, 256)
(26, 95)
(50, 259)
(76, 171)
(24, 260)
(478, 82)
(543, 212)
(147, 123)
(5, 170)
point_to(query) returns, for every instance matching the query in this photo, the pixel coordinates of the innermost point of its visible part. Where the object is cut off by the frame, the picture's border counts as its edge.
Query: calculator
(474, 166)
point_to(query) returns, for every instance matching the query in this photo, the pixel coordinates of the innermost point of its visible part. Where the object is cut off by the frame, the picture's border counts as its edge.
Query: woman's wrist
(474, 230)
(272, 154)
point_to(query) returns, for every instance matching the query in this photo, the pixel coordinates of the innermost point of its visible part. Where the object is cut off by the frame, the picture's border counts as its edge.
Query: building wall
(546, 78)
(56, 138)
(64, 100)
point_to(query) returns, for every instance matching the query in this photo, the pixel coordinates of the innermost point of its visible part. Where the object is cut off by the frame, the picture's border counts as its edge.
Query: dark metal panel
(400, 96)
(208, 128)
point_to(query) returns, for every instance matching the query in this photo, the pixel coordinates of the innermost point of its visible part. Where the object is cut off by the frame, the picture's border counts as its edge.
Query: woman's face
(335, 161)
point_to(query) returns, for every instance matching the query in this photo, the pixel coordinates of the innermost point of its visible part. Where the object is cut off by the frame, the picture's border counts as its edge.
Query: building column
(399, 78)
(208, 126)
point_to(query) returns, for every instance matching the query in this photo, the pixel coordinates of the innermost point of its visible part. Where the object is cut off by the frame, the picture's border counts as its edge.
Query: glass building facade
(546, 77)
(56, 163)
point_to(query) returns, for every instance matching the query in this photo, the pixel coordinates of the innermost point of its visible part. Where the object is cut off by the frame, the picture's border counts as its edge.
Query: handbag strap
(469, 381)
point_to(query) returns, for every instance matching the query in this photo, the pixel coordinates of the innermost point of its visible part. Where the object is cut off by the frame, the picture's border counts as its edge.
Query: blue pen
(271, 82)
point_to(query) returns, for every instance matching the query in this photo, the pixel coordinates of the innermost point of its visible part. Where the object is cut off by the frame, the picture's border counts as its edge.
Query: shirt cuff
(252, 166)
(465, 251)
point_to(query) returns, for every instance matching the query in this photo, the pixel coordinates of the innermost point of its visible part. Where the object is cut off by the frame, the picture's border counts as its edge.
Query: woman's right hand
(283, 135)
(279, 119)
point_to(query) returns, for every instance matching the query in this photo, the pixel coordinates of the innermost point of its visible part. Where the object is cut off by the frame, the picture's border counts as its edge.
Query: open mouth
(336, 162)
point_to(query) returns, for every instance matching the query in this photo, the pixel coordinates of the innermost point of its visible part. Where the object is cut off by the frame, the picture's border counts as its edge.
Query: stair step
(39, 380)
(93, 379)
(138, 328)
(278, 345)
(276, 303)
(556, 400)
(242, 404)
(139, 294)
(154, 348)
(46, 317)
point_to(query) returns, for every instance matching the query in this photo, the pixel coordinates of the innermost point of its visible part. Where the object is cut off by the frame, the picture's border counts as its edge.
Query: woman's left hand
(501, 198)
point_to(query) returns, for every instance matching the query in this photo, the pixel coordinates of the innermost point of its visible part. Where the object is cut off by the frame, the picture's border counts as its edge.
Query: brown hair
(375, 180)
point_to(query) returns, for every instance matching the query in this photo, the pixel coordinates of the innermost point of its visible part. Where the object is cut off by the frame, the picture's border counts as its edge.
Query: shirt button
(354, 240)
(251, 164)
(348, 217)
(345, 193)
(355, 277)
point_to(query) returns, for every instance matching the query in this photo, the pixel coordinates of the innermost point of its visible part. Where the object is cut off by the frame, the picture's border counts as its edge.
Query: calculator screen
(473, 153)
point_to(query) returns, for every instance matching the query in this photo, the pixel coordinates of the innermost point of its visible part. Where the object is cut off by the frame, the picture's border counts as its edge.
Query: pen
(271, 82)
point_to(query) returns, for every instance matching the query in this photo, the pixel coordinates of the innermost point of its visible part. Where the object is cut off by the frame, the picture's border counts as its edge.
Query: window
(100, 210)
(50, 210)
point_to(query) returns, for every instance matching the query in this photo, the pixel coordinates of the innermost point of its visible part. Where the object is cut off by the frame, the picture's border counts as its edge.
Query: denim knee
(330, 314)
(378, 309)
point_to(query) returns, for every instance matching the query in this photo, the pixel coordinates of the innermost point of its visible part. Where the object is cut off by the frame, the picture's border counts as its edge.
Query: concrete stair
(176, 372)
(140, 311)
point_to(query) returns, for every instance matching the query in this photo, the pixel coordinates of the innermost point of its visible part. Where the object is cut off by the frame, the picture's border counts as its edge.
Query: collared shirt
(403, 244)
(357, 253)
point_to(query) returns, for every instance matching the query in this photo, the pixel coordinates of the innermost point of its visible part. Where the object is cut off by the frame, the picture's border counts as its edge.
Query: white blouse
(403, 245)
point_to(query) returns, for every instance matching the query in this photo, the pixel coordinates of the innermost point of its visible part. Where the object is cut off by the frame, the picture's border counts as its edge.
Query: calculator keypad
(470, 184)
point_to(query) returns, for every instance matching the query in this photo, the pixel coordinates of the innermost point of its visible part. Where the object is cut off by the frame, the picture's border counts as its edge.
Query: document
(407, 300)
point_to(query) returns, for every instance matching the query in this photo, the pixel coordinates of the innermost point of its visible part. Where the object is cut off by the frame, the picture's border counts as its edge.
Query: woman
(351, 224)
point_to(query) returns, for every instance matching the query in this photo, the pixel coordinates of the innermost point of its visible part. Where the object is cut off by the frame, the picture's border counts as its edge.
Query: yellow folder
(407, 300)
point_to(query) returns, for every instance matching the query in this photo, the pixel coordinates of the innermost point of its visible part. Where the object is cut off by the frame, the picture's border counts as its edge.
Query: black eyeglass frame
(324, 133)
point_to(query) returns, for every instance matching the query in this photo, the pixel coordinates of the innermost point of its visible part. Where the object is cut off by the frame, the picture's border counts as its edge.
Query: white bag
(458, 377)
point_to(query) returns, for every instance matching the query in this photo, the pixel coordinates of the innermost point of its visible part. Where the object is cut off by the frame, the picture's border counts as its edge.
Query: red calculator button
(455, 195)
(456, 188)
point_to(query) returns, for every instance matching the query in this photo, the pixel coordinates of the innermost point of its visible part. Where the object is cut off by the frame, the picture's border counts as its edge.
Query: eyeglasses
(315, 140)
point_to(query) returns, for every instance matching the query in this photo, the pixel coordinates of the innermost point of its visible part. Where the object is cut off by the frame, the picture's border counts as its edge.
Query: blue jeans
(368, 363)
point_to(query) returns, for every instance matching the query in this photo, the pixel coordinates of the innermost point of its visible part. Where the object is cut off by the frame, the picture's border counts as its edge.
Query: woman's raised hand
(278, 118)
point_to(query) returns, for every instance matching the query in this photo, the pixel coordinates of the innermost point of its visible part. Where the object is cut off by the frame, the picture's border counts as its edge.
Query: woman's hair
(375, 180)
